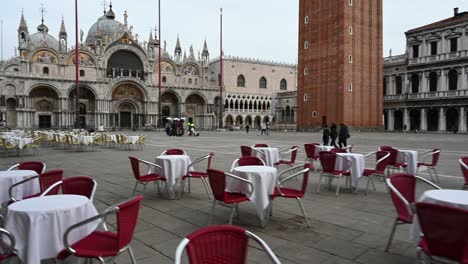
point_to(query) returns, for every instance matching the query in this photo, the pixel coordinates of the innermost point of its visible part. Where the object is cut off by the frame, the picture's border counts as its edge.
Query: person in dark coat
(247, 128)
(333, 135)
(343, 135)
(326, 135)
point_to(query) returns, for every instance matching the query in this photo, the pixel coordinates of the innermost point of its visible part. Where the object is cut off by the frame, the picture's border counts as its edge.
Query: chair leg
(134, 188)
(338, 187)
(207, 189)
(232, 214)
(237, 211)
(212, 213)
(430, 174)
(435, 172)
(368, 181)
(319, 183)
(189, 184)
(303, 212)
(132, 256)
(144, 188)
(391, 235)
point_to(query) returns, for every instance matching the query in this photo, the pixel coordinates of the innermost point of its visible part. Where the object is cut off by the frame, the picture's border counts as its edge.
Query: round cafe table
(8, 178)
(38, 224)
(453, 198)
(270, 155)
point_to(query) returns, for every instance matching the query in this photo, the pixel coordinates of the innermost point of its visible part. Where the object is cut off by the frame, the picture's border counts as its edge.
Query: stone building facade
(426, 89)
(119, 81)
(340, 63)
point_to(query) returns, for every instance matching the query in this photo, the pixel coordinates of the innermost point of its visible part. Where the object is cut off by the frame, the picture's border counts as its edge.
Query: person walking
(247, 128)
(267, 124)
(343, 135)
(263, 127)
(333, 135)
(326, 135)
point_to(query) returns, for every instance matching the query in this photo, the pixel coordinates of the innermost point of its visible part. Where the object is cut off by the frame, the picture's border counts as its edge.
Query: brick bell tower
(340, 67)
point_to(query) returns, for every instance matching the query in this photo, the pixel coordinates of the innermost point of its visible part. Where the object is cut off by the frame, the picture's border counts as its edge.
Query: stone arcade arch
(11, 118)
(195, 108)
(248, 120)
(398, 120)
(239, 121)
(432, 120)
(451, 119)
(128, 100)
(229, 120)
(170, 101)
(44, 101)
(87, 105)
(415, 119)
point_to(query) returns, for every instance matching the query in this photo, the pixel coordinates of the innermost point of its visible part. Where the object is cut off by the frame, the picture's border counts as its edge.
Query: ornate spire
(110, 14)
(205, 50)
(151, 39)
(62, 32)
(23, 27)
(42, 27)
(178, 49)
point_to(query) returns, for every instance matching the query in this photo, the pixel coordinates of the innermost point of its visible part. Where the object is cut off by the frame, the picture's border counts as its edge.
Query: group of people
(175, 128)
(332, 133)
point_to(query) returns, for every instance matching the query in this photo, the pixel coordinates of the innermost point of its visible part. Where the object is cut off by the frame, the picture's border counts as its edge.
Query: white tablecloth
(271, 155)
(19, 141)
(85, 140)
(322, 148)
(173, 167)
(39, 224)
(8, 178)
(410, 157)
(133, 139)
(264, 180)
(453, 198)
(357, 165)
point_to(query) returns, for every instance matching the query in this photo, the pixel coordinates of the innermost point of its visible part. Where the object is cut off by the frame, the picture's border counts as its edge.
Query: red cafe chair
(393, 163)
(310, 150)
(382, 158)
(220, 244)
(290, 162)
(246, 151)
(46, 180)
(247, 161)
(338, 150)
(328, 161)
(144, 179)
(260, 145)
(36, 166)
(77, 185)
(8, 247)
(402, 190)
(104, 244)
(294, 193)
(431, 167)
(464, 168)
(217, 180)
(445, 233)
(202, 175)
(173, 152)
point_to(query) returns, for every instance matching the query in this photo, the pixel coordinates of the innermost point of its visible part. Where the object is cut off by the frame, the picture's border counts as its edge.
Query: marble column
(406, 120)
(462, 120)
(441, 119)
(423, 123)
(391, 120)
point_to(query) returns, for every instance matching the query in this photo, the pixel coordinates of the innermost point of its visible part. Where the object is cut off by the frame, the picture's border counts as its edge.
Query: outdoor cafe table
(357, 165)
(173, 167)
(410, 157)
(8, 178)
(270, 155)
(322, 148)
(263, 179)
(39, 224)
(453, 198)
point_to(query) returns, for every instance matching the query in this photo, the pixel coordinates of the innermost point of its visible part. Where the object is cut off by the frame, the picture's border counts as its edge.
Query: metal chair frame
(11, 247)
(18, 164)
(93, 192)
(286, 151)
(333, 176)
(370, 178)
(204, 180)
(431, 169)
(149, 164)
(464, 165)
(235, 163)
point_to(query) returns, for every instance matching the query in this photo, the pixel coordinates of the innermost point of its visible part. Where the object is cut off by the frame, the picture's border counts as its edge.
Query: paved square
(352, 228)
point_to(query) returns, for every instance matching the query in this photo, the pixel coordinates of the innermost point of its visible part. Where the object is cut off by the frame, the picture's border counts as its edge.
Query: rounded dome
(107, 28)
(43, 39)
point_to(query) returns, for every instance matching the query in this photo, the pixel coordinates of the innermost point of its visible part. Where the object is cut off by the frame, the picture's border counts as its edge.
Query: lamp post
(159, 66)
(221, 70)
(77, 76)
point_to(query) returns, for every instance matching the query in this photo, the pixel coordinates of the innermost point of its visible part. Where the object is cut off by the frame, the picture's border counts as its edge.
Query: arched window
(190, 81)
(306, 71)
(414, 83)
(283, 84)
(263, 82)
(350, 30)
(306, 20)
(350, 87)
(164, 79)
(306, 44)
(240, 81)
(45, 70)
(398, 85)
(433, 82)
(306, 97)
(82, 73)
(453, 80)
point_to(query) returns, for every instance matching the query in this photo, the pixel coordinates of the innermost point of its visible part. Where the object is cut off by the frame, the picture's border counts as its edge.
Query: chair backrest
(327, 160)
(310, 150)
(174, 152)
(36, 166)
(250, 161)
(383, 159)
(218, 244)
(393, 154)
(135, 167)
(246, 151)
(217, 180)
(127, 217)
(79, 185)
(435, 157)
(402, 190)
(338, 150)
(294, 153)
(6, 248)
(261, 145)
(464, 167)
(445, 230)
(305, 178)
(49, 178)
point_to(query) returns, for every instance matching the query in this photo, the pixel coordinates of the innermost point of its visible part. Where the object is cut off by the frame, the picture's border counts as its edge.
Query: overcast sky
(263, 29)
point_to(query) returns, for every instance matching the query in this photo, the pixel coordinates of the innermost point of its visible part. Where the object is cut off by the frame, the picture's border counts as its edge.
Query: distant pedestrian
(333, 135)
(326, 135)
(343, 135)
(263, 128)
(267, 127)
(247, 128)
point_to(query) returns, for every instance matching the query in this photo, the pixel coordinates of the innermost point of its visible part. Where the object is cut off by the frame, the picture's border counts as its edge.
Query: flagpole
(159, 66)
(77, 77)
(221, 105)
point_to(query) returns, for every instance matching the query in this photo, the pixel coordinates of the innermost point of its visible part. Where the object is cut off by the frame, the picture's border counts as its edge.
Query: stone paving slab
(352, 228)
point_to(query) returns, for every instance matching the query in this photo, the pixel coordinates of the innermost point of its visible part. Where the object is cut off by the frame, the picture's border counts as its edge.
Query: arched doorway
(248, 120)
(44, 100)
(87, 106)
(11, 113)
(128, 100)
(266, 119)
(451, 119)
(126, 111)
(195, 106)
(432, 120)
(257, 122)
(398, 120)
(415, 119)
(229, 121)
(239, 121)
(170, 102)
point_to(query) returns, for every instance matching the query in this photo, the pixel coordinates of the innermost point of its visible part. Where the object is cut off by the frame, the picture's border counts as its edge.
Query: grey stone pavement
(352, 228)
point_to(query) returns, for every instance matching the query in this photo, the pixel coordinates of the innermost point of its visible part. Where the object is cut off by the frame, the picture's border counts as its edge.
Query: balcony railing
(427, 95)
(438, 57)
